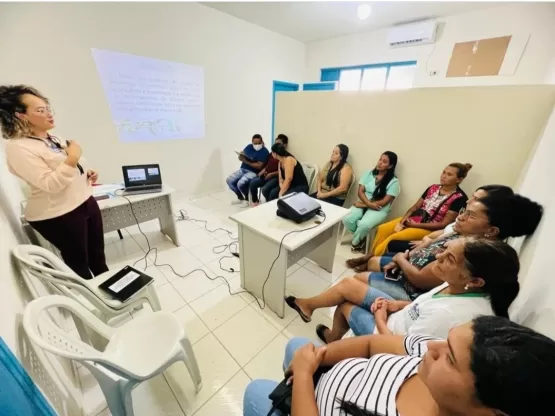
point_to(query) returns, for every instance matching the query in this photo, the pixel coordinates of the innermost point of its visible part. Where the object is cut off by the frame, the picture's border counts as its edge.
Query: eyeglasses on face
(464, 213)
(45, 110)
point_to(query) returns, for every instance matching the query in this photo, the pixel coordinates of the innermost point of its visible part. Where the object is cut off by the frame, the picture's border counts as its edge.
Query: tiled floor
(234, 340)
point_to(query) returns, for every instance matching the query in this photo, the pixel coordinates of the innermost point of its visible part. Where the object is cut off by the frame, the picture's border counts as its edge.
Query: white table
(260, 234)
(117, 214)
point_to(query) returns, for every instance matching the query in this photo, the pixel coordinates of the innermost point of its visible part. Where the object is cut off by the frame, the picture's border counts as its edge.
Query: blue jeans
(266, 184)
(394, 288)
(361, 320)
(238, 182)
(256, 401)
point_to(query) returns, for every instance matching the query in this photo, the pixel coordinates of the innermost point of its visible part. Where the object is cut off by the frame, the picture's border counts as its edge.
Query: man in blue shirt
(253, 157)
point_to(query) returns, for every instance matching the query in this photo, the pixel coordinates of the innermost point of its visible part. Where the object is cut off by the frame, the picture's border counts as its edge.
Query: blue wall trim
(332, 74)
(18, 393)
(279, 86)
(320, 86)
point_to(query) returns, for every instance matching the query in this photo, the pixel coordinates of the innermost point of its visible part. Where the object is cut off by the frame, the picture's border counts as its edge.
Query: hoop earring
(466, 287)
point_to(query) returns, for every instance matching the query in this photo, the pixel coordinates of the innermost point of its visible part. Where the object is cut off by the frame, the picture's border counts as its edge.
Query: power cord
(183, 216)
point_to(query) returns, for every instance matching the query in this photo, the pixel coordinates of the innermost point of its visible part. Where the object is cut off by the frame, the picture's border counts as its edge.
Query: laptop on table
(142, 179)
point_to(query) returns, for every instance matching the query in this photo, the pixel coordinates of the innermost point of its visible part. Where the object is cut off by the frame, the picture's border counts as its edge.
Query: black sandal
(290, 300)
(321, 332)
(359, 248)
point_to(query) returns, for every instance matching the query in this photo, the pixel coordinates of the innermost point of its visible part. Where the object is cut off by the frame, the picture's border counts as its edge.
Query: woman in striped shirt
(489, 367)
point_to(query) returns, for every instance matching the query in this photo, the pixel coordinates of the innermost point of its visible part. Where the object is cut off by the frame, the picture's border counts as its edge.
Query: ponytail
(501, 296)
(497, 264)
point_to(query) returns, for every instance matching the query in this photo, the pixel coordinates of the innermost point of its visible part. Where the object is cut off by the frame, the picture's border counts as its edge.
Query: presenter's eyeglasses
(45, 110)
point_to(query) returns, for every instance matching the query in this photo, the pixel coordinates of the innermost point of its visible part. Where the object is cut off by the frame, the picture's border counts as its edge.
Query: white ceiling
(319, 20)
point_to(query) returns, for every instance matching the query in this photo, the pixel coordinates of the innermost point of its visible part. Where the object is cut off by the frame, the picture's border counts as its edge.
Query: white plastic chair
(37, 263)
(311, 172)
(372, 232)
(137, 351)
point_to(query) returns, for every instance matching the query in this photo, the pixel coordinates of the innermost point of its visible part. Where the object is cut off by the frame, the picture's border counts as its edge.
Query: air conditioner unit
(413, 34)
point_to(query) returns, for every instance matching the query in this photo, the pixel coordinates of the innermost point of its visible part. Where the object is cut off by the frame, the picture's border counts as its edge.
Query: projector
(297, 207)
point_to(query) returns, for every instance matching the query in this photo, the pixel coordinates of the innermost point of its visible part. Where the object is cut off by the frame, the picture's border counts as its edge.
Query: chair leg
(191, 363)
(370, 239)
(153, 298)
(342, 234)
(117, 393)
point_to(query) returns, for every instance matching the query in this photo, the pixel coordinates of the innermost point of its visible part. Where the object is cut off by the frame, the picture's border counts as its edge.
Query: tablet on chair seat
(126, 283)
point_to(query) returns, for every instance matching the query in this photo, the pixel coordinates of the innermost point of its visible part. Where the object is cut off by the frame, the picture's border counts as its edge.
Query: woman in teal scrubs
(376, 191)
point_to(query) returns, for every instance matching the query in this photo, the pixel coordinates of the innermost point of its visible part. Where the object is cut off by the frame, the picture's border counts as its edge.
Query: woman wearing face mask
(290, 171)
(377, 189)
(408, 275)
(487, 367)
(61, 207)
(334, 180)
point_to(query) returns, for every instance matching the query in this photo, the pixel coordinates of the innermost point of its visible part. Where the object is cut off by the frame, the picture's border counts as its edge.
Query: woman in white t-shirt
(480, 278)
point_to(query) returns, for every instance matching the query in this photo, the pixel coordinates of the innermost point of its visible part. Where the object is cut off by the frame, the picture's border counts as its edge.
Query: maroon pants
(80, 238)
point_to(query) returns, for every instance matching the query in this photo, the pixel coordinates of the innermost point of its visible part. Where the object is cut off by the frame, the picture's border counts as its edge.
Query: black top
(299, 178)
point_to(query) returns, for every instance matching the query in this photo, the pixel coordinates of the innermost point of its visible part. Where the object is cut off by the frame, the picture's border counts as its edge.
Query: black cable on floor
(183, 216)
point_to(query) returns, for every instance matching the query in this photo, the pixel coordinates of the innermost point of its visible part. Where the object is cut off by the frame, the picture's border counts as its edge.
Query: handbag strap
(438, 208)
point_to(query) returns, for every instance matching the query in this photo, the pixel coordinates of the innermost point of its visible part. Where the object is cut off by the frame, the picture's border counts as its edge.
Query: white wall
(536, 19)
(48, 46)
(535, 305)
(11, 301)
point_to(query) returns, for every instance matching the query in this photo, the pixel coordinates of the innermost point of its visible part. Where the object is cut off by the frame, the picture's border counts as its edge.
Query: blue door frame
(320, 86)
(280, 86)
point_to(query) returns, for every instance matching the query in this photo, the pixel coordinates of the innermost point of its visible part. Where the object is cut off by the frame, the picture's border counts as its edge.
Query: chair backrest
(44, 272)
(44, 333)
(311, 172)
(353, 182)
(396, 198)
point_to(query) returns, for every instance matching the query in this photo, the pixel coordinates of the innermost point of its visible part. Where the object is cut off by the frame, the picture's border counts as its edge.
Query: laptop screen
(140, 175)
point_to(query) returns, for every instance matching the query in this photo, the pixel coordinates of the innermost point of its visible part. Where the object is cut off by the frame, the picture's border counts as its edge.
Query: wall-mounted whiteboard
(151, 99)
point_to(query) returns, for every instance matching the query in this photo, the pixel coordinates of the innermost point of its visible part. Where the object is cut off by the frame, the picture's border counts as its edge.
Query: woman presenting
(61, 207)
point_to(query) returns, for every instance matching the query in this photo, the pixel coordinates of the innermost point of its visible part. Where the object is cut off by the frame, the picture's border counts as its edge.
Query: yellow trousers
(386, 233)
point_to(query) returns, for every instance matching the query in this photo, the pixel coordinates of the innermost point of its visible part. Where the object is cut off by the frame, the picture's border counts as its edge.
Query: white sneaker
(238, 202)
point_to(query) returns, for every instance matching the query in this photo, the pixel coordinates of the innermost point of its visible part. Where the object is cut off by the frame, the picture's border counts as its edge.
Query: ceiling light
(364, 11)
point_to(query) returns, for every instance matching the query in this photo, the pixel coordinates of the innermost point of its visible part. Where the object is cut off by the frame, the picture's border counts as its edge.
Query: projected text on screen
(151, 99)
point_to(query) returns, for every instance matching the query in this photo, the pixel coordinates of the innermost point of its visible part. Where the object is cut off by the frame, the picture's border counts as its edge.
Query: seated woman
(290, 173)
(490, 366)
(435, 209)
(376, 191)
(267, 178)
(480, 278)
(399, 246)
(489, 218)
(334, 180)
